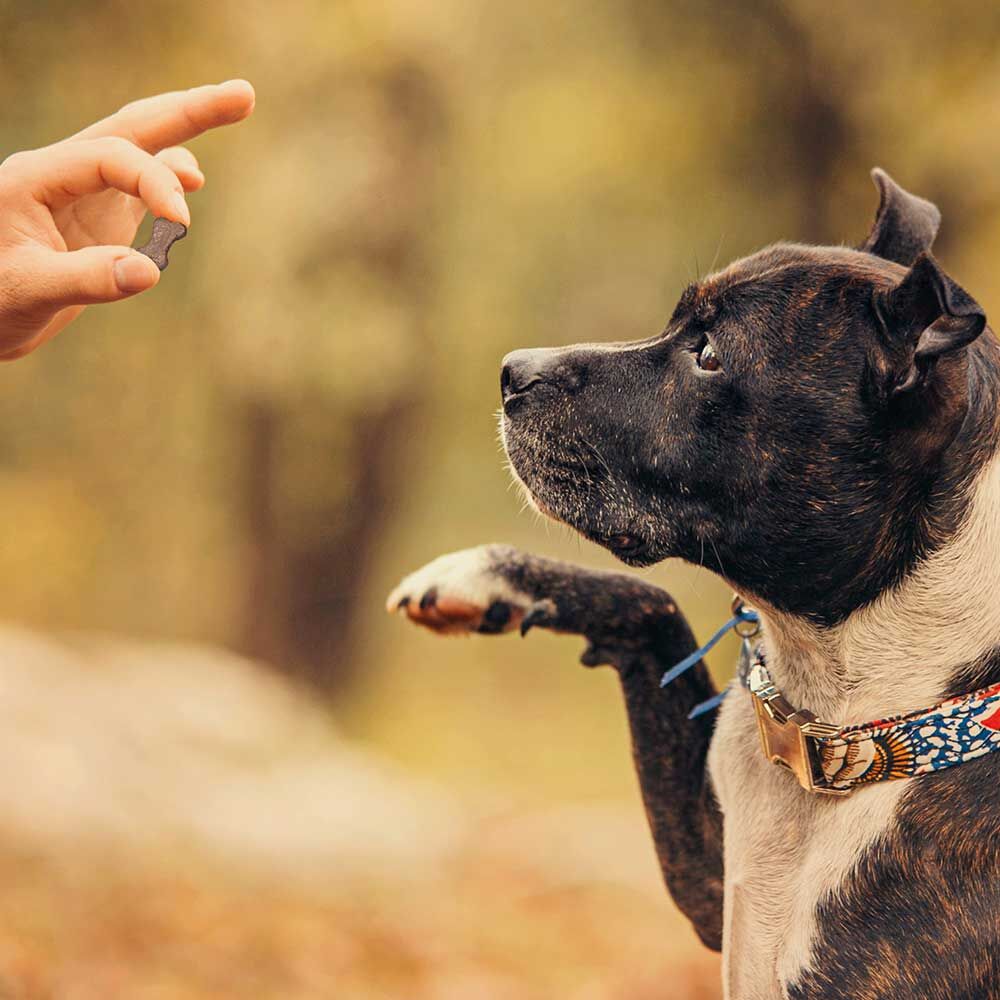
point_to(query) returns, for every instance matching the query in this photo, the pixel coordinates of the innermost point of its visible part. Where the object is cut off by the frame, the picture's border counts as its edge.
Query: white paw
(461, 592)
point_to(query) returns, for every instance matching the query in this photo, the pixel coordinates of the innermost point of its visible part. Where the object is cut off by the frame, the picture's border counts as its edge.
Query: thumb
(91, 275)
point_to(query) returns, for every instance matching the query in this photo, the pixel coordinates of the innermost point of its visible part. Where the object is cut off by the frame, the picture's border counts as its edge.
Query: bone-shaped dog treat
(165, 234)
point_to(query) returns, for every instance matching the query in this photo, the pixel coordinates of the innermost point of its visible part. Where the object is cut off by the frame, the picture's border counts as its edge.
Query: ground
(179, 823)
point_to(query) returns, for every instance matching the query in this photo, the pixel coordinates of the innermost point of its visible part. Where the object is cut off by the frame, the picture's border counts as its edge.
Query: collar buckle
(788, 737)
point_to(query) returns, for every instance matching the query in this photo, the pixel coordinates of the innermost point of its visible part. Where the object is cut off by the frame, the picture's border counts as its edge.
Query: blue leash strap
(743, 615)
(709, 705)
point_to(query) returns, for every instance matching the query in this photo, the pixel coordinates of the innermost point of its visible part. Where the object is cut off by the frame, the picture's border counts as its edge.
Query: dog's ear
(925, 317)
(904, 226)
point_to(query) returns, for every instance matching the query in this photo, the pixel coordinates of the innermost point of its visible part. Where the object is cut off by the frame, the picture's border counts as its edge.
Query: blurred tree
(425, 185)
(302, 411)
(311, 548)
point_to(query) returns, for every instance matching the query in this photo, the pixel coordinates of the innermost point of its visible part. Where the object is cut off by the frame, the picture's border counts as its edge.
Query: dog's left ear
(904, 226)
(925, 317)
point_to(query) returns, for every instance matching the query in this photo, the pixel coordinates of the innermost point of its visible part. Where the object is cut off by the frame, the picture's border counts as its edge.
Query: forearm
(670, 753)
(638, 629)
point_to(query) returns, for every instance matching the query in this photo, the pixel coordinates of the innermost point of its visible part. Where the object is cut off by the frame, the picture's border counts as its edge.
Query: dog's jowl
(819, 426)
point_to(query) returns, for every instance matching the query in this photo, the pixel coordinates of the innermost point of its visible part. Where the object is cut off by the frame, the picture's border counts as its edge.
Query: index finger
(171, 119)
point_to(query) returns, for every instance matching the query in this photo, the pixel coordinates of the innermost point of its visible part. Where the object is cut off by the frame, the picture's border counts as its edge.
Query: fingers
(66, 171)
(51, 280)
(170, 119)
(53, 286)
(183, 163)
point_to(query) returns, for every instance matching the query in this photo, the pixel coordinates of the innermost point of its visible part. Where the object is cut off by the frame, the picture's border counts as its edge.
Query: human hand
(69, 211)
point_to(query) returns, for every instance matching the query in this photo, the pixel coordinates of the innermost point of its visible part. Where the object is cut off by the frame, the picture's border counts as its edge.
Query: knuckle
(176, 153)
(15, 171)
(115, 145)
(17, 162)
(131, 106)
(169, 179)
(157, 172)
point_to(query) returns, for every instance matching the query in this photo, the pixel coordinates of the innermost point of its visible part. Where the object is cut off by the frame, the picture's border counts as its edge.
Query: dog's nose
(524, 369)
(521, 370)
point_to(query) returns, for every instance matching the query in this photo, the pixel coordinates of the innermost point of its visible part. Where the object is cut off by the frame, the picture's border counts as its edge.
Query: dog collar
(833, 760)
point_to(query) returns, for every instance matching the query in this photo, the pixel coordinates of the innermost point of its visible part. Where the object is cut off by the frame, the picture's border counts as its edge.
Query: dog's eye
(708, 360)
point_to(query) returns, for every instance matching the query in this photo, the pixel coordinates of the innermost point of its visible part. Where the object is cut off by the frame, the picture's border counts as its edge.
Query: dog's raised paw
(462, 592)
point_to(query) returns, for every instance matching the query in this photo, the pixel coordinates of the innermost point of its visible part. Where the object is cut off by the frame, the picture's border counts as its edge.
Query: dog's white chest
(786, 850)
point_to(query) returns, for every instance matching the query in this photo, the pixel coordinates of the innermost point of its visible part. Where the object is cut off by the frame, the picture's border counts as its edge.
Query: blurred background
(229, 773)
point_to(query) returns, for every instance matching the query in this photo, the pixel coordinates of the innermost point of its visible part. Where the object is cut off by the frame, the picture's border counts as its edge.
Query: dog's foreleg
(636, 628)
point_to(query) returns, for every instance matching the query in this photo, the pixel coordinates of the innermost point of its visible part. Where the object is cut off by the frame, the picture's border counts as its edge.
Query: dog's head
(791, 427)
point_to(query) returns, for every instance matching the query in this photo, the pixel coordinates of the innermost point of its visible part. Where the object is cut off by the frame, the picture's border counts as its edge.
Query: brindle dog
(819, 426)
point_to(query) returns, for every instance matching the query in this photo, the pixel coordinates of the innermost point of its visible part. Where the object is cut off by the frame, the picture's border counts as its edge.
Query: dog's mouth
(626, 545)
(632, 549)
(622, 544)
(556, 501)
(568, 481)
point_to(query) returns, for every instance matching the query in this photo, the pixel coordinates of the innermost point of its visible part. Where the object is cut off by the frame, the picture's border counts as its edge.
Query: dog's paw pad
(460, 593)
(497, 617)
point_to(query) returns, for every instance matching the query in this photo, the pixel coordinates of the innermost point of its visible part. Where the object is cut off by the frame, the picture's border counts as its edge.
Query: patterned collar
(834, 760)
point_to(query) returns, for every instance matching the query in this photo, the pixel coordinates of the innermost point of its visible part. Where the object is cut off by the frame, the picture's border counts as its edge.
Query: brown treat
(165, 234)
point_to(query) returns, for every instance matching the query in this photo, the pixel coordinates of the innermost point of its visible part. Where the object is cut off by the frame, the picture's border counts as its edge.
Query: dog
(819, 426)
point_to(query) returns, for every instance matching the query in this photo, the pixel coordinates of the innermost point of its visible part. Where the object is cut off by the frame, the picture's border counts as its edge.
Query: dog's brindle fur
(840, 470)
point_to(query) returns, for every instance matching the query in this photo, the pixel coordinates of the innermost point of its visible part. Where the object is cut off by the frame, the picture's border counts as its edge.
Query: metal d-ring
(745, 628)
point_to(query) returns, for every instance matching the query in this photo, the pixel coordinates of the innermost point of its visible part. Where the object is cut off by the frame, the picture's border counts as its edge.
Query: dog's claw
(460, 593)
(540, 613)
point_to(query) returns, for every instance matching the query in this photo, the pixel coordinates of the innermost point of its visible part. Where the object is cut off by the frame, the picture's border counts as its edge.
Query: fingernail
(134, 273)
(179, 205)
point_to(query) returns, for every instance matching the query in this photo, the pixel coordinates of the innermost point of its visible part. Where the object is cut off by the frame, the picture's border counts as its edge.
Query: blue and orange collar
(834, 760)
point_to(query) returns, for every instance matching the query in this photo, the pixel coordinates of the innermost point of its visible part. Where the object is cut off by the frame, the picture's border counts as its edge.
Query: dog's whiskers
(715, 549)
(597, 455)
(718, 250)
